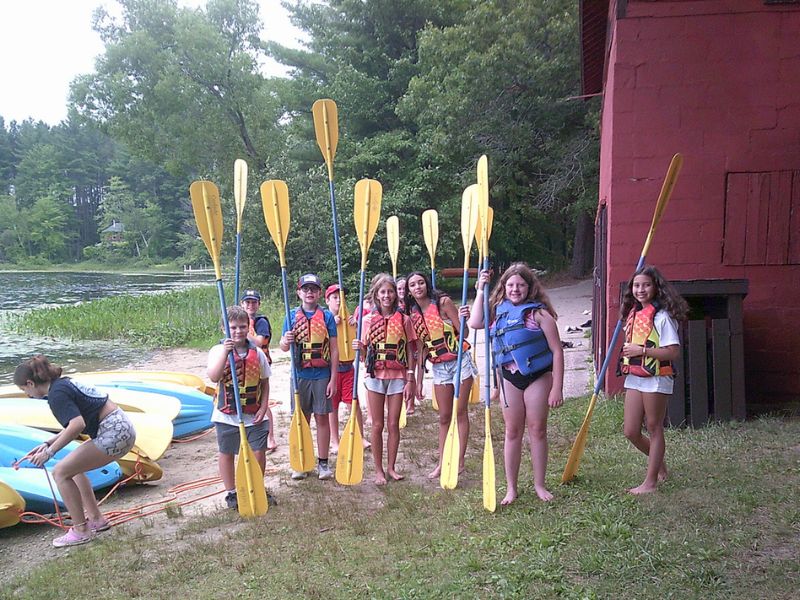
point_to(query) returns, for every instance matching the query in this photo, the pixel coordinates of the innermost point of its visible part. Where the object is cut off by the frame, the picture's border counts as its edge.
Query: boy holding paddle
(313, 330)
(252, 375)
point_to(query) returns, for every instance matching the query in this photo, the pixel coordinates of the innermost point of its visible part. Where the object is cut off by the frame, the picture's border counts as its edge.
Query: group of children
(400, 333)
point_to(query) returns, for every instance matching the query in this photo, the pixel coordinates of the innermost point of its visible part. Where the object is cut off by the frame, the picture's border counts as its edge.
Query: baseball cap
(251, 295)
(332, 289)
(309, 279)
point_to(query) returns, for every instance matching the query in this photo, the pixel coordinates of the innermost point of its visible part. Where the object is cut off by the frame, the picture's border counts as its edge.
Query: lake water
(20, 291)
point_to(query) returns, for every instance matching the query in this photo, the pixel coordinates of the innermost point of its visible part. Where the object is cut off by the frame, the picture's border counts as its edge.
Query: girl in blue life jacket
(530, 359)
(650, 310)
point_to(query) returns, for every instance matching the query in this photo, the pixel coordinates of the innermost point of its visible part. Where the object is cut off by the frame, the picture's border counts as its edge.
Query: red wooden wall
(719, 81)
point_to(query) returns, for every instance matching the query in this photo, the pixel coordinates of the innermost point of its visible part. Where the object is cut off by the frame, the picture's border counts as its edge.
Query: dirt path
(24, 546)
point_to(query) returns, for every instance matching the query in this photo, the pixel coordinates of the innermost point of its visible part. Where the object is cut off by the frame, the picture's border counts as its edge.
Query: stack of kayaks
(195, 407)
(11, 505)
(31, 482)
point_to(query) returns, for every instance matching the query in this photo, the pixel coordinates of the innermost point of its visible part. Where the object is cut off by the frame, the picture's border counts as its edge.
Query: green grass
(182, 318)
(725, 525)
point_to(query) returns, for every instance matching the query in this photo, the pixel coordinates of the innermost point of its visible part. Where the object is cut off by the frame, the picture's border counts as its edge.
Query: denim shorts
(387, 387)
(115, 435)
(444, 373)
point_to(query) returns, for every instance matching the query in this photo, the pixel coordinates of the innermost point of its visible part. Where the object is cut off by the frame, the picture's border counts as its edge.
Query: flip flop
(270, 450)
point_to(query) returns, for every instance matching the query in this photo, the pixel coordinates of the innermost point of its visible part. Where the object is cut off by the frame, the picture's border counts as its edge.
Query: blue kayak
(194, 404)
(17, 440)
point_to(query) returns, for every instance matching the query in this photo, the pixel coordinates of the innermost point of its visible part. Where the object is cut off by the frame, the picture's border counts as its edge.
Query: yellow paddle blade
(140, 467)
(239, 190)
(326, 128)
(430, 231)
(250, 492)
(434, 403)
(301, 446)
(448, 479)
(475, 390)
(403, 414)
(663, 198)
(366, 214)
(275, 204)
(345, 333)
(578, 446)
(393, 238)
(489, 483)
(469, 219)
(208, 216)
(350, 463)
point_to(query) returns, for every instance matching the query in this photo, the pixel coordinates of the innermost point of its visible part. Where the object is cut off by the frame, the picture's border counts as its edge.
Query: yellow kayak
(11, 505)
(153, 432)
(148, 470)
(130, 401)
(187, 379)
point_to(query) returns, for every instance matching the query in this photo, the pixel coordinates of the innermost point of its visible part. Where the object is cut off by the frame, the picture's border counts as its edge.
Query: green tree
(49, 229)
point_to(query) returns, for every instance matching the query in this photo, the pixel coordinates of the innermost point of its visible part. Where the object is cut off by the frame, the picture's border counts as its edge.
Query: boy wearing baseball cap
(259, 335)
(312, 328)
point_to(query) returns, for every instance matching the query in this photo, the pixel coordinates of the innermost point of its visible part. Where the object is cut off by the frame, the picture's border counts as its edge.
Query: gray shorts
(115, 435)
(445, 373)
(228, 440)
(312, 396)
(387, 387)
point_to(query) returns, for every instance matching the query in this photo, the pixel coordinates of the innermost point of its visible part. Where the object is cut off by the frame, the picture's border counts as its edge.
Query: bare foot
(395, 475)
(380, 479)
(645, 488)
(435, 473)
(663, 473)
(543, 493)
(510, 497)
(366, 444)
(335, 449)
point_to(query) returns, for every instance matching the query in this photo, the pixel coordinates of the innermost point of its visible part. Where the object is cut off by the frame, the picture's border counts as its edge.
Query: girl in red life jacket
(529, 389)
(650, 310)
(387, 344)
(435, 319)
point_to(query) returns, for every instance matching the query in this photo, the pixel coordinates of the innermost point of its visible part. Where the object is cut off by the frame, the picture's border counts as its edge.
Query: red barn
(718, 81)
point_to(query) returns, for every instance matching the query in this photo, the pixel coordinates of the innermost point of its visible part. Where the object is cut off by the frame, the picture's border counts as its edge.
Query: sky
(45, 44)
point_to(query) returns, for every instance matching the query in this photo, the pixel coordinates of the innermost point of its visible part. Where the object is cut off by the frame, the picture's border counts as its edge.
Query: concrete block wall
(718, 81)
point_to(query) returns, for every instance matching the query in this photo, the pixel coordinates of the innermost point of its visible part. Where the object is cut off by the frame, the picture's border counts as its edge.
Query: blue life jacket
(512, 341)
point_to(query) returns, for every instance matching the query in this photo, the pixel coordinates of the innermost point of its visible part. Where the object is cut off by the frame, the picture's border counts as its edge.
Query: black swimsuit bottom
(520, 381)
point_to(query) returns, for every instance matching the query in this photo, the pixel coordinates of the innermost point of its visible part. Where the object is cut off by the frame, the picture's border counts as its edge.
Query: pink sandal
(72, 538)
(98, 525)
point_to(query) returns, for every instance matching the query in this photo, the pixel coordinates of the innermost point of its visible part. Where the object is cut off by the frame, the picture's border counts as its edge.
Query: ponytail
(38, 370)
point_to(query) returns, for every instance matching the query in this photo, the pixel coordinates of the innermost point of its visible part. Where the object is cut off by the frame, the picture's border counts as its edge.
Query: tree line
(423, 87)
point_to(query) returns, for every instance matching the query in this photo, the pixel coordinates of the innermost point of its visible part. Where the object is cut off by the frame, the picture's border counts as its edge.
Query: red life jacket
(253, 333)
(439, 337)
(639, 330)
(248, 376)
(311, 337)
(387, 339)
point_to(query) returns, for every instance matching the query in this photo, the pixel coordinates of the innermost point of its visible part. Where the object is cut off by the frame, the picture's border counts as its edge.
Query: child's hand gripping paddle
(486, 218)
(326, 129)
(366, 214)
(250, 492)
(575, 455)
(275, 204)
(393, 241)
(240, 196)
(452, 446)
